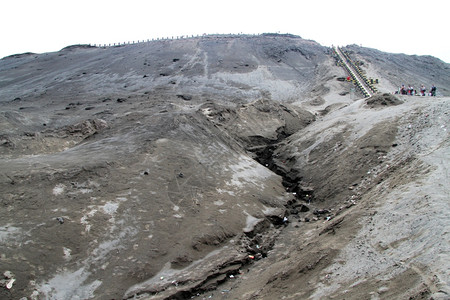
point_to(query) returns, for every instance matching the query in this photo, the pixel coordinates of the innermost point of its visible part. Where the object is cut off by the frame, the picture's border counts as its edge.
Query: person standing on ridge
(433, 90)
(403, 90)
(423, 90)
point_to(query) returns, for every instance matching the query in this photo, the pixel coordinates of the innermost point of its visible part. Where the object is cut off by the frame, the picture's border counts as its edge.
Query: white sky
(398, 26)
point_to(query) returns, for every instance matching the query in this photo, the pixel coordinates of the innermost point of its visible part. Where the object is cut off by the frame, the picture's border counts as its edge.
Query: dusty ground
(221, 168)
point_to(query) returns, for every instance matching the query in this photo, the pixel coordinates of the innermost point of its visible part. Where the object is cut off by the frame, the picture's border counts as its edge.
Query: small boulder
(381, 100)
(185, 97)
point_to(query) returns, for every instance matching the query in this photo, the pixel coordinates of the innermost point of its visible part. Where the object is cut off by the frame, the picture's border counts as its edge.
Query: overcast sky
(398, 26)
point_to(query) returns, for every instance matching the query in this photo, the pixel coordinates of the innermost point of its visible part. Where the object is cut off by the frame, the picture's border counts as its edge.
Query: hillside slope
(222, 167)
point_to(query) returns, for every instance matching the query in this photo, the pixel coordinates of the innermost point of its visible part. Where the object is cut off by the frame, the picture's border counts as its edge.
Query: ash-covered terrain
(222, 167)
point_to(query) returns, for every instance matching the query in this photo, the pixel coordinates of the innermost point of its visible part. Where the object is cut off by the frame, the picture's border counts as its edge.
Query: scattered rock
(8, 274)
(6, 141)
(318, 212)
(181, 261)
(301, 207)
(185, 97)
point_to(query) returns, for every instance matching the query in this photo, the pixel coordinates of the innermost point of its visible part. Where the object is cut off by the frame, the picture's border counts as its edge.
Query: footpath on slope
(367, 92)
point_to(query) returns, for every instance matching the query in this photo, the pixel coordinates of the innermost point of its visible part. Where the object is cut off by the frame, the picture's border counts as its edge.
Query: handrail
(178, 38)
(364, 81)
(354, 72)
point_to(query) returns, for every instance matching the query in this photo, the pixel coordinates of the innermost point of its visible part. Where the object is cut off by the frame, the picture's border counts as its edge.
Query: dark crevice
(261, 239)
(263, 150)
(256, 245)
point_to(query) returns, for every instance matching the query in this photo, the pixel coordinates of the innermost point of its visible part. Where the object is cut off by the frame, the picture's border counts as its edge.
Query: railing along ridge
(182, 37)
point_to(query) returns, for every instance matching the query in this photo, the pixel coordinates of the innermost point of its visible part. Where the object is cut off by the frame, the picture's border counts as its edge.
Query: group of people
(411, 91)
